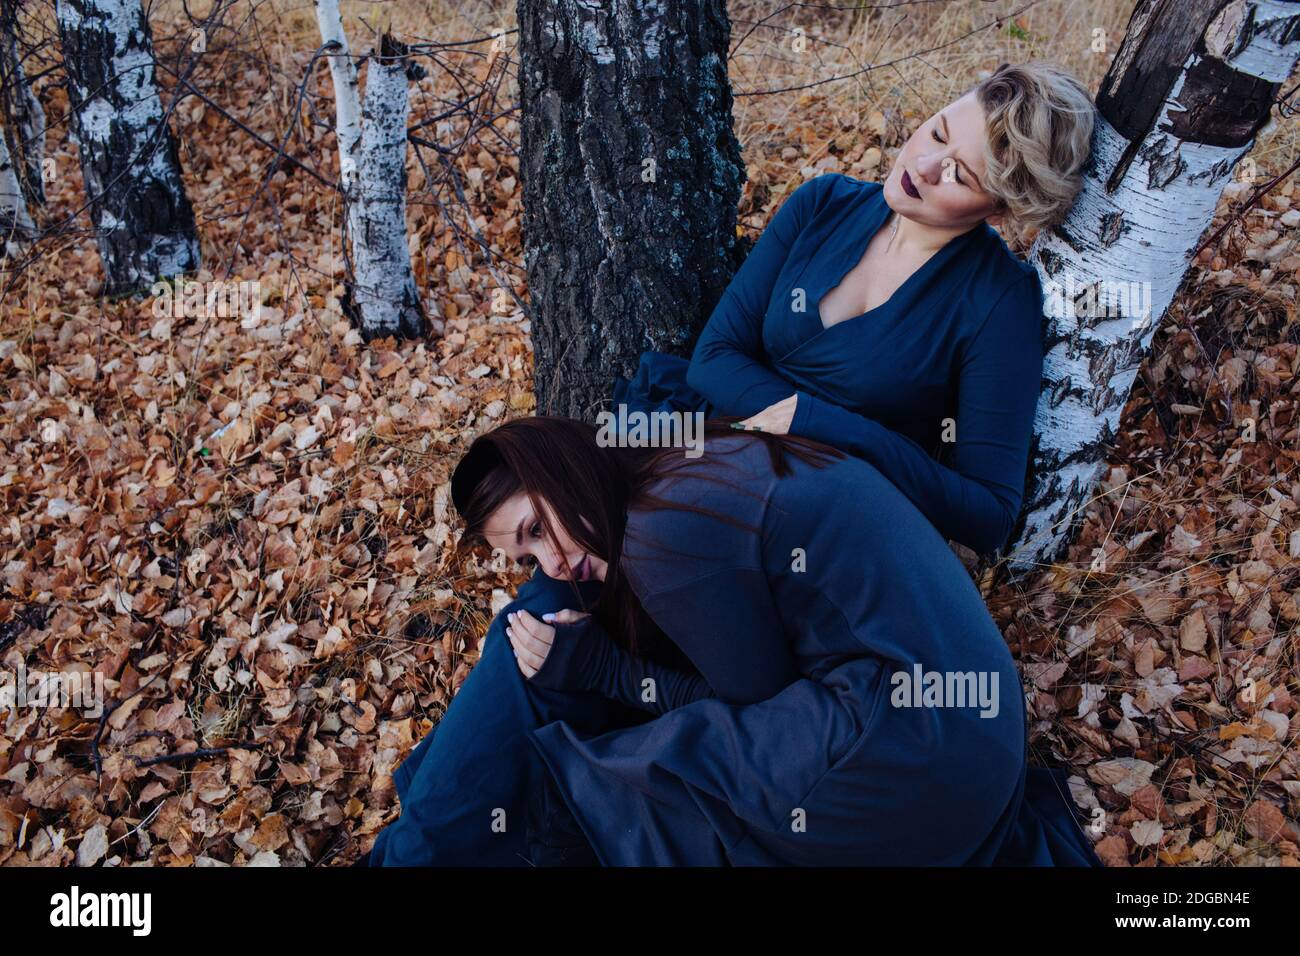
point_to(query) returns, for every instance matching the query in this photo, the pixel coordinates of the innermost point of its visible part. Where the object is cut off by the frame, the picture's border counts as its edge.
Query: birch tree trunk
(385, 291)
(631, 176)
(1190, 86)
(16, 226)
(24, 120)
(144, 225)
(347, 103)
(381, 297)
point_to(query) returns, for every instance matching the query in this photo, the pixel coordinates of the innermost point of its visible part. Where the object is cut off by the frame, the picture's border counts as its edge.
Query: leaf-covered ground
(243, 523)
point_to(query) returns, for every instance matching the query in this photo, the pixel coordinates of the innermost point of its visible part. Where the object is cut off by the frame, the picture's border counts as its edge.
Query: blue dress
(809, 739)
(950, 366)
(960, 335)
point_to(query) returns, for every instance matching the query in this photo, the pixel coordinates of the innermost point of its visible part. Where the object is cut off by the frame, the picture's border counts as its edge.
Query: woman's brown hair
(589, 488)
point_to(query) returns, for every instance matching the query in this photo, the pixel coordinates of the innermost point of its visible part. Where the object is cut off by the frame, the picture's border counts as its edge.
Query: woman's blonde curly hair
(1038, 123)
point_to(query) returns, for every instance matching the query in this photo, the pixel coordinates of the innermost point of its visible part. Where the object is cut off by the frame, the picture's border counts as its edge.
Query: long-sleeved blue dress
(959, 338)
(950, 363)
(855, 704)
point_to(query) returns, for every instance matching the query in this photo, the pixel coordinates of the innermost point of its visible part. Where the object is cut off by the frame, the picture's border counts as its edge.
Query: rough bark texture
(1189, 88)
(381, 297)
(384, 292)
(631, 176)
(16, 227)
(144, 225)
(24, 120)
(347, 102)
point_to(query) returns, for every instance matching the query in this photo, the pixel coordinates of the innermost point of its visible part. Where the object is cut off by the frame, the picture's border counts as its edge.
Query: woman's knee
(542, 594)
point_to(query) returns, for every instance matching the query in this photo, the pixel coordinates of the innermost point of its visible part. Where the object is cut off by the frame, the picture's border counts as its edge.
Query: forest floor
(242, 522)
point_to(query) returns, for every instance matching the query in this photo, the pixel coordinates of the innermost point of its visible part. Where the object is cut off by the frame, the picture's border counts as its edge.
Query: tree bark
(16, 226)
(24, 126)
(385, 291)
(144, 225)
(1190, 86)
(347, 103)
(631, 176)
(381, 297)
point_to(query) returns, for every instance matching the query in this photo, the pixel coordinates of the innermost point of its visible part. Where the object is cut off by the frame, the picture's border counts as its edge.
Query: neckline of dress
(943, 252)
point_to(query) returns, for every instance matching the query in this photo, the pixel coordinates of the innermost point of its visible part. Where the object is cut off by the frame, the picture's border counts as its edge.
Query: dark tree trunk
(144, 225)
(1190, 86)
(631, 176)
(24, 120)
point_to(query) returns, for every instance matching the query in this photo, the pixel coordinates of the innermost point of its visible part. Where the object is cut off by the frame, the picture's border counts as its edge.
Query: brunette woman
(847, 697)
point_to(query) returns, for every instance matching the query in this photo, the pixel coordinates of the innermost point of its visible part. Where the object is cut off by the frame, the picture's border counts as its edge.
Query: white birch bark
(144, 225)
(347, 102)
(24, 118)
(385, 291)
(16, 226)
(372, 174)
(1127, 251)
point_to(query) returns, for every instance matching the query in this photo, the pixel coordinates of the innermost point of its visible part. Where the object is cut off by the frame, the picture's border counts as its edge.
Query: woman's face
(938, 177)
(517, 529)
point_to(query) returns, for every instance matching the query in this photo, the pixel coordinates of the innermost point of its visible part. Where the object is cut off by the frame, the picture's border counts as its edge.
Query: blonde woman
(887, 320)
(891, 320)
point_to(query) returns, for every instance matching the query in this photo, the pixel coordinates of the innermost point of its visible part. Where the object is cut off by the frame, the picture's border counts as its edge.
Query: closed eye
(956, 169)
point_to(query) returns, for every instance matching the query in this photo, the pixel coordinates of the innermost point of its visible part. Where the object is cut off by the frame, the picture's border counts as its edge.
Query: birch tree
(24, 119)
(1189, 88)
(144, 225)
(382, 296)
(347, 104)
(16, 226)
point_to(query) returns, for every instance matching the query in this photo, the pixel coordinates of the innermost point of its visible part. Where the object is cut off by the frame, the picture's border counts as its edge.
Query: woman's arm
(725, 622)
(729, 365)
(701, 578)
(582, 657)
(975, 500)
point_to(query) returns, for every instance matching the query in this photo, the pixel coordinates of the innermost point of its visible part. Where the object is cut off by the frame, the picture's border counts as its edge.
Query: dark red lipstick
(909, 187)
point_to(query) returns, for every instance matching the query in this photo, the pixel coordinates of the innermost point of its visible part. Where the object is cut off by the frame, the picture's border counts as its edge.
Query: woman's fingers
(534, 628)
(776, 418)
(531, 640)
(567, 616)
(529, 661)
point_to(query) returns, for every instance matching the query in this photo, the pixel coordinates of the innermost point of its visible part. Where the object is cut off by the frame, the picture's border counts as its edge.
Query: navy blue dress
(959, 340)
(936, 387)
(808, 740)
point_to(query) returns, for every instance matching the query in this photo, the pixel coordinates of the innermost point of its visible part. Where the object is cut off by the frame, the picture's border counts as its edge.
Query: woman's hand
(775, 419)
(532, 639)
